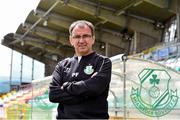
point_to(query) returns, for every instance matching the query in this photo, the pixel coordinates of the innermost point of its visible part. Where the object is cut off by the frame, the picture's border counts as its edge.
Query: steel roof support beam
(40, 13)
(35, 24)
(107, 37)
(121, 11)
(56, 19)
(169, 4)
(39, 44)
(172, 5)
(50, 34)
(22, 50)
(31, 54)
(138, 25)
(61, 39)
(159, 3)
(47, 48)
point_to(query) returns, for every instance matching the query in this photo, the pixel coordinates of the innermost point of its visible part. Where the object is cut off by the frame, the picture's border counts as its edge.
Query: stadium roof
(44, 34)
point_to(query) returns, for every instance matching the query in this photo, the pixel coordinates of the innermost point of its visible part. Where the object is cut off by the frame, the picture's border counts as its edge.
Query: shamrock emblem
(154, 80)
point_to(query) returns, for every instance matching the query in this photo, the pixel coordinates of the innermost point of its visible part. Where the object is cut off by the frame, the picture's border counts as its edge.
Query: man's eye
(76, 37)
(86, 36)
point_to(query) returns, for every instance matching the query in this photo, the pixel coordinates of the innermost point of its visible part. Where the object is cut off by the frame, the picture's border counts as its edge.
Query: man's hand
(66, 84)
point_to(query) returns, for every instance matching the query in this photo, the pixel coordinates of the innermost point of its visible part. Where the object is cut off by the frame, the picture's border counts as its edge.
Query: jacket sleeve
(93, 86)
(56, 94)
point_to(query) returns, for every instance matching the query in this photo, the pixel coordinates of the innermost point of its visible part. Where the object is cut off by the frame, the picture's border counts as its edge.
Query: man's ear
(70, 40)
(93, 40)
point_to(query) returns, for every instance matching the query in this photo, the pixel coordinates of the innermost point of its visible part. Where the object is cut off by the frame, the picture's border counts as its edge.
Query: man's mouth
(82, 46)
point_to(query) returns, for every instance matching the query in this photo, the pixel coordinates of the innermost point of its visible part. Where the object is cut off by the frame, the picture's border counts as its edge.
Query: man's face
(82, 40)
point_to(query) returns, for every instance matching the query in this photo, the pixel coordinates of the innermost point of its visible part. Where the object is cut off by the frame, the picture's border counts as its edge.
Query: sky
(13, 13)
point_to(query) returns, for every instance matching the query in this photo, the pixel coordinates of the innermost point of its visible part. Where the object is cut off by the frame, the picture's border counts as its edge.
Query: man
(80, 84)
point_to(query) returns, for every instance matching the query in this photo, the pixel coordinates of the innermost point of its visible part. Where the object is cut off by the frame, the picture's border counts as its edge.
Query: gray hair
(82, 23)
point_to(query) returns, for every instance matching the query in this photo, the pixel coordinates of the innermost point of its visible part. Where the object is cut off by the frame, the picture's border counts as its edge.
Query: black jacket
(81, 94)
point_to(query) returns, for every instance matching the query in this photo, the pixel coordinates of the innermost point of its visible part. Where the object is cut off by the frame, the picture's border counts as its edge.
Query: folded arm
(93, 86)
(58, 95)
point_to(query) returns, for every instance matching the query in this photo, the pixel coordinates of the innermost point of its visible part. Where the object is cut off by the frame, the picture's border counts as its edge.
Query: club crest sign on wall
(154, 97)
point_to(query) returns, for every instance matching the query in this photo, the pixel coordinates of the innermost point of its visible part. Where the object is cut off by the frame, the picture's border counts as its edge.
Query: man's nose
(81, 39)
